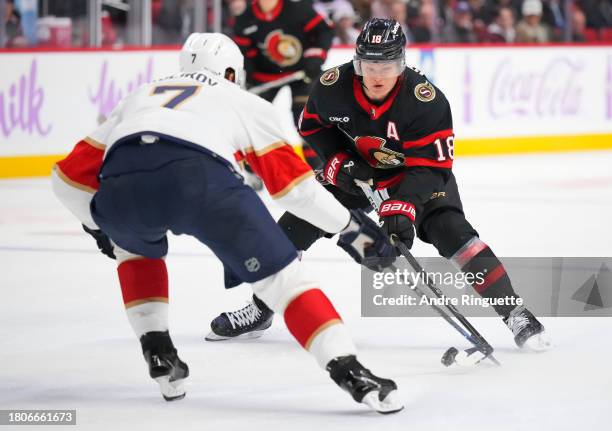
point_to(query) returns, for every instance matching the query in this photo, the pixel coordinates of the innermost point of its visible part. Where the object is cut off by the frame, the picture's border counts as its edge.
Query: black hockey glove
(312, 68)
(103, 241)
(342, 170)
(365, 242)
(397, 219)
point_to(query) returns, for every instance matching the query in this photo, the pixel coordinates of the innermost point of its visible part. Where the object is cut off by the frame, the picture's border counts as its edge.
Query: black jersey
(408, 137)
(276, 43)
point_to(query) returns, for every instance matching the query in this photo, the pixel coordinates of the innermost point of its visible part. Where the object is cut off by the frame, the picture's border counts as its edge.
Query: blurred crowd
(64, 23)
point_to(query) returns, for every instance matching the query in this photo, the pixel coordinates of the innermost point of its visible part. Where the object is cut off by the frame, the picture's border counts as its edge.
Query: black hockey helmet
(381, 41)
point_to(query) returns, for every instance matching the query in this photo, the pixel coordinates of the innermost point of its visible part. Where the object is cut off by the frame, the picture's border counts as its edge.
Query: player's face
(377, 88)
(379, 78)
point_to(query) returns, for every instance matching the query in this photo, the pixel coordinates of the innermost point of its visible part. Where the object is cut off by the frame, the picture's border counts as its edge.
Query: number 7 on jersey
(184, 93)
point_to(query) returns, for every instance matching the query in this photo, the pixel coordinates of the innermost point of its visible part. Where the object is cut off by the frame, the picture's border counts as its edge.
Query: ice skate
(165, 367)
(248, 322)
(377, 393)
(528, 332)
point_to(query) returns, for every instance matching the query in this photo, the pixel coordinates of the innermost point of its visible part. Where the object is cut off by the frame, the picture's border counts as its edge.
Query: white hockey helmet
(213, 52)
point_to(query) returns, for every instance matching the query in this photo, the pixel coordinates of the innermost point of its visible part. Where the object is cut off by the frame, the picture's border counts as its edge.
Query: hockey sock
(475, 257)
(144, 286)
(316, 325)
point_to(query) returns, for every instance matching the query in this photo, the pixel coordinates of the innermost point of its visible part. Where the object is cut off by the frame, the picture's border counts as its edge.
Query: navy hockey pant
(193, 194)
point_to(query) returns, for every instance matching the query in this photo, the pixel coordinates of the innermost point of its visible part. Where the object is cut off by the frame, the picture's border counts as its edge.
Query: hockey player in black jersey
(374, 119)
(279, 38)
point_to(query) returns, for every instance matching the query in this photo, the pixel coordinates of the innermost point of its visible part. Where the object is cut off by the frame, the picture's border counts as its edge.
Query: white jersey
(218, 116)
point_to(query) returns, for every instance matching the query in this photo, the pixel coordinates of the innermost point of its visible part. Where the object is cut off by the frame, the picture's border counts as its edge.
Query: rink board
(510, 100)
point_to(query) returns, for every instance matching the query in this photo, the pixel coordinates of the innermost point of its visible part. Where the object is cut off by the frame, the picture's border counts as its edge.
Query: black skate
(165, 367)
(528, 332)
(377, 393)
(248, 322)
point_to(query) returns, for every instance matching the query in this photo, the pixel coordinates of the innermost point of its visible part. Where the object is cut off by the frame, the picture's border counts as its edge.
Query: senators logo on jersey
(373, 149)
(283, 49)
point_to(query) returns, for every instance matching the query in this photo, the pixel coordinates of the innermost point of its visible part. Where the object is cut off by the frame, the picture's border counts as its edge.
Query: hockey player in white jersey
(165, 160)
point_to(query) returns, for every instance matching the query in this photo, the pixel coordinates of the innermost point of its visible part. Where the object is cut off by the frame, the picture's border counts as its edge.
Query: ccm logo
(403, 208)
(339, 119)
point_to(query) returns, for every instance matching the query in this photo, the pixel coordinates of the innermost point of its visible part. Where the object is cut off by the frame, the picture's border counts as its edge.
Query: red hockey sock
(143, 280)
(309, 314)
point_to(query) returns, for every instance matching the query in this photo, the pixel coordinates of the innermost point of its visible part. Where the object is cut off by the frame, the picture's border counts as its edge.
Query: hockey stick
(472, 335)
(297, 76)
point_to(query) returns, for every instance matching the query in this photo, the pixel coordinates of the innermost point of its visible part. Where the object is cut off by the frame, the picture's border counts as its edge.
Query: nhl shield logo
(252, 264)
(425, 92)
(330, 76)
(283, 49)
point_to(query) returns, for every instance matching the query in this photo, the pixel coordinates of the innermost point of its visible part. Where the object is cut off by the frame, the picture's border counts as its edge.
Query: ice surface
(65, 342)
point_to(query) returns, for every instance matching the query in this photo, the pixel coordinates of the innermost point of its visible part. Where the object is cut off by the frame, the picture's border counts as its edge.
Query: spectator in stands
(598, 13)
(530, 29)
(12, 23)
(363, 9)
(328, 8)
(553, 16)
(234, 8)
(578, 26)
(461, 28)
(381, 8)
(502, 30)
(425, 29)
(344, 18)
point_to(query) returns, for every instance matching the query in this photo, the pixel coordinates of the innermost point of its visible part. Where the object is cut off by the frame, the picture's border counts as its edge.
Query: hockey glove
(104, 243)
(342, 170)
(397, 219)
(312, 67)
(365, 242)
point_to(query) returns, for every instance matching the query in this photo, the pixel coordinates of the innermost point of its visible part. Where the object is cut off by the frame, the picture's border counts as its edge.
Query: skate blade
(538, 343)
(390, 404)
(171, 391)
(247, 336)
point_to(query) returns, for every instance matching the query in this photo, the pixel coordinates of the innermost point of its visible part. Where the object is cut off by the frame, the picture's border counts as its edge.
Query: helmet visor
(379, 69)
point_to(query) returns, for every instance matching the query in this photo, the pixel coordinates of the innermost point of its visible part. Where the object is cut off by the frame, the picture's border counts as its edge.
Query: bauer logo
(252, 264)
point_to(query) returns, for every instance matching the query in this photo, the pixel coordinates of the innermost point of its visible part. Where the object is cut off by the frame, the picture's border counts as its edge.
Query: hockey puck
(449, 356)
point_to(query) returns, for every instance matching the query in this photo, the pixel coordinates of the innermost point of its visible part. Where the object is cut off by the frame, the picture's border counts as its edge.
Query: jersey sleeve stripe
(91, 141)
(71, 183)
(421, 161)
(81, 167)
(426, 140)
(242, 41)
(315, 52)
(279, 167)
(310, 132)
(292, 185)
(312, 23)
